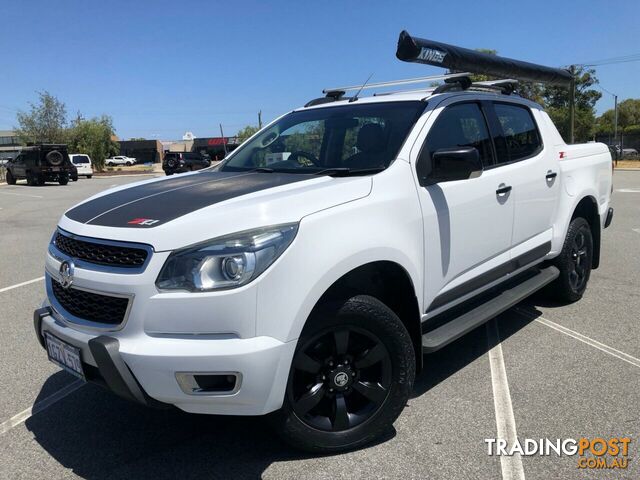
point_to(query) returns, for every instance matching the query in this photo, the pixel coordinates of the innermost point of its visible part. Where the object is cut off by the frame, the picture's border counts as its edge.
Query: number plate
(55, 169)
(64, 355)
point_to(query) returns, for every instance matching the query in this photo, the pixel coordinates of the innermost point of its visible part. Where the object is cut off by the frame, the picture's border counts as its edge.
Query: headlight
(225, 262)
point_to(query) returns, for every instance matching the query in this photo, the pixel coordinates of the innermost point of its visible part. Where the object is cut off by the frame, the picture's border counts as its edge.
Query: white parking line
(625, 357)
(511, 466)
(637, 230)
(628, 190)
(6, 289)
(39, 406)
(21, 194)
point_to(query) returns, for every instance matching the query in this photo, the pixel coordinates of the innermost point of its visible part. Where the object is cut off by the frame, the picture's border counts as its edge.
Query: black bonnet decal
(157, 203)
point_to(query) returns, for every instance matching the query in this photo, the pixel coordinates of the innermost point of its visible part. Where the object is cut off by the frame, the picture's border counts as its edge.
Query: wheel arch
(390, 283)
(587, 208)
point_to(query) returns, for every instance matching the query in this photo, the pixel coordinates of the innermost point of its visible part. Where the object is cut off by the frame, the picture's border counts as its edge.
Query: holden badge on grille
(66, 273)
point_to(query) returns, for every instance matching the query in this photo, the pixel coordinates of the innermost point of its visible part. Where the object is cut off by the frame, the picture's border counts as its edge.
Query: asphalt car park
(540, 370)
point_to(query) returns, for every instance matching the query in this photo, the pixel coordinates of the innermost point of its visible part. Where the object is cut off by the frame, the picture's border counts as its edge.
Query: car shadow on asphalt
(440, 365)
(98, 436)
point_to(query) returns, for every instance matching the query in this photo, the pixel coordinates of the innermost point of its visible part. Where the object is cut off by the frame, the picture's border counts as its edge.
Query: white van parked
(83, 163)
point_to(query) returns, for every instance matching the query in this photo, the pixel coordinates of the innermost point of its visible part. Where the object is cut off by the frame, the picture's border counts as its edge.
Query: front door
(467, 223)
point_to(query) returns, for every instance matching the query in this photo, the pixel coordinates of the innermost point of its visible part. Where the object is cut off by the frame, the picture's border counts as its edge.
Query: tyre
(55, 158)
(574, 263)
(74, 179)
(89, 176)
(128, 164)
(350, 378)
(11, 180)
(63, 180)
(32, 180)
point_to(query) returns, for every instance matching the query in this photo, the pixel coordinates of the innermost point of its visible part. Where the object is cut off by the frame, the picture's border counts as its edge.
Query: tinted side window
(520, 132)
(461, 125)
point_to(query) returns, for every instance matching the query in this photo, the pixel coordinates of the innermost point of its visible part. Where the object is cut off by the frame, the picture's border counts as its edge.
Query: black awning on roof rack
(419, 50)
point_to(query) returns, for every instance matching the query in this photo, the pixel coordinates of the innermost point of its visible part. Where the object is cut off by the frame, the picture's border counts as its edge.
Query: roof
(425, 95)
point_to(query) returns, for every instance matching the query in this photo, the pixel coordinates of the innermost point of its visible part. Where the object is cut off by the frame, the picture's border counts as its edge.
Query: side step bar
(456, 328)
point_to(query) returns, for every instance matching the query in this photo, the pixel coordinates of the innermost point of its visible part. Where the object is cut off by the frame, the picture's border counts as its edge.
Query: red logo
(143, 221)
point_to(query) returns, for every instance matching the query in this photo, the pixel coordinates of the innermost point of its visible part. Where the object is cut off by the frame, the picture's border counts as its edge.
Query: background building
(214, 147)
(144, 151)
(9, 144)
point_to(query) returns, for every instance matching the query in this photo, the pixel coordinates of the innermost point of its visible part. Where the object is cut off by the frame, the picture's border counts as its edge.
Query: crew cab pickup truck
(309, 289)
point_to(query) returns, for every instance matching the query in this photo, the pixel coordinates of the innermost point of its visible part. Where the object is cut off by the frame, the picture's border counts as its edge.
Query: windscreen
(357, 137)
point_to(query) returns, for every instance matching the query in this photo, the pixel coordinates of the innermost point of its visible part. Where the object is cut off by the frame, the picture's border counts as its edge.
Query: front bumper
(143, 368)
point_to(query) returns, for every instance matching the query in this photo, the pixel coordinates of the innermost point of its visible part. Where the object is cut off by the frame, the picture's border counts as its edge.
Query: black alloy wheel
(574, 262)
(340, 378)
(350, 377)
(578, 273)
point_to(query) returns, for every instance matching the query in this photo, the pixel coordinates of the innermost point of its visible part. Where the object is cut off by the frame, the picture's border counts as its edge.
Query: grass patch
(627, 164)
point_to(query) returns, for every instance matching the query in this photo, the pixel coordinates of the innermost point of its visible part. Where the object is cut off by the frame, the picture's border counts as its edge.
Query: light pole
(572, 103)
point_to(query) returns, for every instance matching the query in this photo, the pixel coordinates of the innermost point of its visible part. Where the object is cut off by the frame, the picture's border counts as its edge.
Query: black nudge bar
(419, 50)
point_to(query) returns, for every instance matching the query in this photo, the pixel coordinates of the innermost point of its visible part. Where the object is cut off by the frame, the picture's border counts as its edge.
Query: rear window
(80, 159)
(520, 132)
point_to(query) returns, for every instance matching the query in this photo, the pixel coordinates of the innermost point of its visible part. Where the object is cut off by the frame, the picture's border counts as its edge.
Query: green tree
(246, 132)
(93, 137)
(556, 102)
(45, 121)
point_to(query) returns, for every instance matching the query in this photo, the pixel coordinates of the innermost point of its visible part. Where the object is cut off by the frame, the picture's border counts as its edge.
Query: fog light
(215, 383)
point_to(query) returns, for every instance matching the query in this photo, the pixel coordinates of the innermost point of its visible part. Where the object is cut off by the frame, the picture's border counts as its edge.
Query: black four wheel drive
(178, 162)
(41, 163)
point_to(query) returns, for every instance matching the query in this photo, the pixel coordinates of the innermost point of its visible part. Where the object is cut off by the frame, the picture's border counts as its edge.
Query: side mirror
(449, 164)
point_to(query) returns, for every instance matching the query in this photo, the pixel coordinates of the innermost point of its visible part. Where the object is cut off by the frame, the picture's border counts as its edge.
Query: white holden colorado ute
(310, 288)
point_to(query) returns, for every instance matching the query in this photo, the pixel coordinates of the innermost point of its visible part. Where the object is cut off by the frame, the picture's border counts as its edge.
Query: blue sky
(161, 68)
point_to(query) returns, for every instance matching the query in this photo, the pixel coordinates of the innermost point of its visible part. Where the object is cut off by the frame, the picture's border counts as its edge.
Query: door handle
(551, 175)
(503, 189)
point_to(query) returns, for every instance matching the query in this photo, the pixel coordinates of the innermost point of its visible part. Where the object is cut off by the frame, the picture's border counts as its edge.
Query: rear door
(467, 223)
(19, 169)
(535, 182)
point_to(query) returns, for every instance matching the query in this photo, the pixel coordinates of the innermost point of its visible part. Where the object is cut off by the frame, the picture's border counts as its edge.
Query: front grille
(91, 306)
(100, 253)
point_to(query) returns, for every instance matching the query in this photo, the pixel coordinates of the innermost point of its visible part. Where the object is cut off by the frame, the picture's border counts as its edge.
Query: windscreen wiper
(262, 170)
(346, 172)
